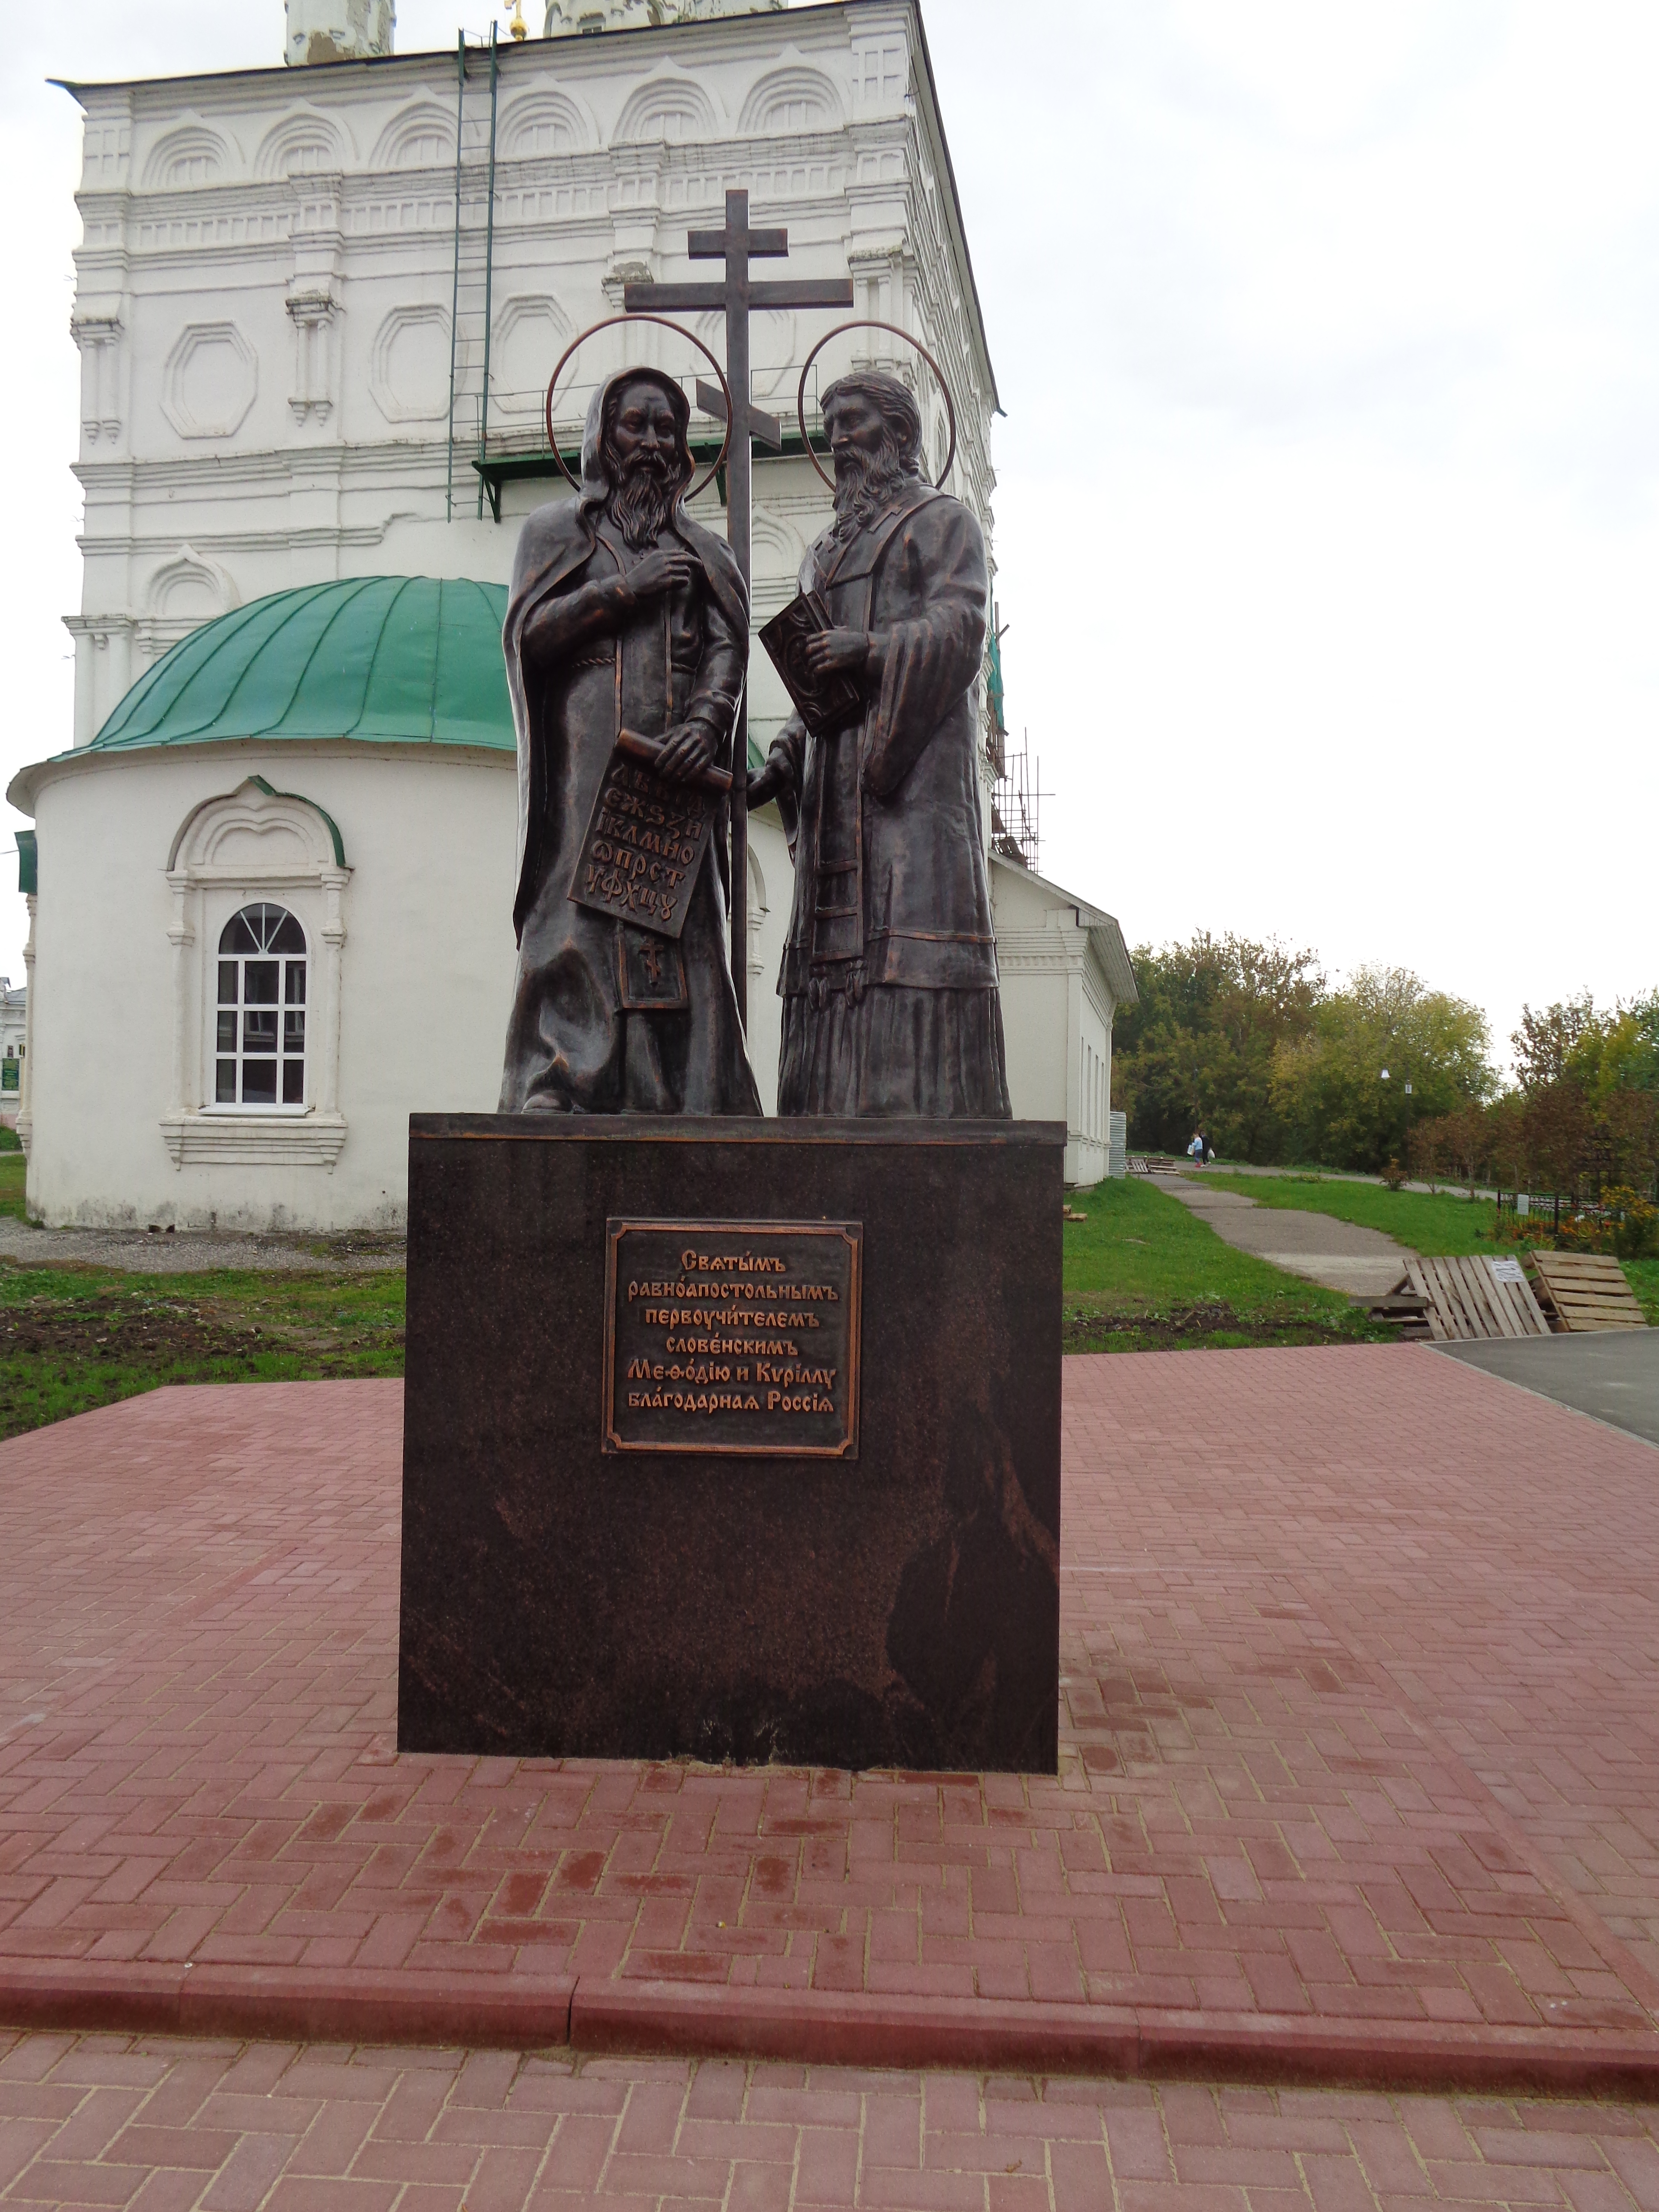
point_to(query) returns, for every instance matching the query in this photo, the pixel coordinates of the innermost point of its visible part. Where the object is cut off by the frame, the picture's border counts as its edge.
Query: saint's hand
(661, 572)
(687, 750)
(836, 652)
(767, 782)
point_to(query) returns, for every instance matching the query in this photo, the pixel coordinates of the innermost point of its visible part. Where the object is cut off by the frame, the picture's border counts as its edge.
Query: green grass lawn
(74, 1338)
(1143, 1273)
(1436, 1226)
(12, 1165)
(1643, 1276)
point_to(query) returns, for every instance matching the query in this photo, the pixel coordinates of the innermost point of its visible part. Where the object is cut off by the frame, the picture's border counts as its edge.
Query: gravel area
(140, 1252)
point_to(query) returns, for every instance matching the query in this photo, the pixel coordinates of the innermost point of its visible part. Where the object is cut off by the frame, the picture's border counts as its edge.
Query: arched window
(259, 1057)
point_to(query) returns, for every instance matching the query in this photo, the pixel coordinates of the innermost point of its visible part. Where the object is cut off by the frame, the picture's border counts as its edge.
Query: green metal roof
(400, 659)
(404, 659)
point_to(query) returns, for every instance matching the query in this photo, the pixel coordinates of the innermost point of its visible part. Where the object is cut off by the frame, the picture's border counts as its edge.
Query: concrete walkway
(1363, 1262)
(1611, 1373)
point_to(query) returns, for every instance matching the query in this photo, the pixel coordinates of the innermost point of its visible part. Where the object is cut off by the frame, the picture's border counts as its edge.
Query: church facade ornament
(254, 844)
(210, 381)
(98, 332)
(409, 367)
(312, 310)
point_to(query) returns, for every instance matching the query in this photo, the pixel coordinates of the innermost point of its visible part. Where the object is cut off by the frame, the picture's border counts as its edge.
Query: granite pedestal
(733, 1440)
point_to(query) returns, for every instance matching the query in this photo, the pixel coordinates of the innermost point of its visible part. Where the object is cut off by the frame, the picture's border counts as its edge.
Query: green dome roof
(401, 659)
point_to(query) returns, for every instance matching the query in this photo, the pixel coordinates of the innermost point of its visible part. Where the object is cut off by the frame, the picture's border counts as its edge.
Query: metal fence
(1545, 1207)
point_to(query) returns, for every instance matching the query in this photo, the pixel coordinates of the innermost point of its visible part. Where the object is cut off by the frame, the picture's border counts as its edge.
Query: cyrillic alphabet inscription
(733, 1337)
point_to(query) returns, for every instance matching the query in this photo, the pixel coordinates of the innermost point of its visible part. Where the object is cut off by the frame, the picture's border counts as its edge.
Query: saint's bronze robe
(608, 1018)
(889, 970)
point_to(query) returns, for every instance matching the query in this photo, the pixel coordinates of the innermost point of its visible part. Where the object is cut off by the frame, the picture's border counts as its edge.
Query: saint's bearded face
(870, 462)
(645, 462)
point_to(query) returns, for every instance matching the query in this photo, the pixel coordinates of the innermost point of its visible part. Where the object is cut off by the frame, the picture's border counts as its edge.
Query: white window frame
(283, 1008)
(297, 861)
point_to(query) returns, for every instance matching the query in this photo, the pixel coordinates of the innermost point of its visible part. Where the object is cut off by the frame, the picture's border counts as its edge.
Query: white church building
(272, 870)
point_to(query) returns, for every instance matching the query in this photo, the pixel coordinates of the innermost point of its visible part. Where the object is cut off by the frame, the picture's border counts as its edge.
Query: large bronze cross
(737, 245)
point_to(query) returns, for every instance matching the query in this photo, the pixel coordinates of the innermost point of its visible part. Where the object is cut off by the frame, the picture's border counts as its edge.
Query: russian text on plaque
(733, 1337)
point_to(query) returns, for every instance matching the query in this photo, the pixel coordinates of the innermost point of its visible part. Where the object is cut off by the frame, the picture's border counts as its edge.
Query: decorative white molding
(674, 108)
(106, 153)
(881, 74)
(185, 159)
(622, 273)
(532, 331)
(98, 334)
(311, 309)
(250, 843)
(190, 575)
(211, 380)
(219, 1139)
(304, 144)
(795, 98)
(543, 123)
(420, 136)
(408, 366)
(103, 667)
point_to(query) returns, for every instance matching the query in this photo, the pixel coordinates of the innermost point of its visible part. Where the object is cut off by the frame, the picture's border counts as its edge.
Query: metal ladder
(474, 247)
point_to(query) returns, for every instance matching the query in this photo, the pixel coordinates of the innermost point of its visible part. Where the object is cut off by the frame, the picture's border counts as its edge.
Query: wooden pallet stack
(1585, 1291)
(1408, 1312)
(1454, 1300)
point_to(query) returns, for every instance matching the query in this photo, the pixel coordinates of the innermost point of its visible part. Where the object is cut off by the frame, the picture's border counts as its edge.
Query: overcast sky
(1327, 338)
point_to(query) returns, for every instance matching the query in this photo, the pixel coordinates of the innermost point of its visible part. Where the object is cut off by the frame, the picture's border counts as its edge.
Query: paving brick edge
(821, 2027)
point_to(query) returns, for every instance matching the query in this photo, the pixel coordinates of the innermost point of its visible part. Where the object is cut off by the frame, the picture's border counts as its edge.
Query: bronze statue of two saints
(626, 644)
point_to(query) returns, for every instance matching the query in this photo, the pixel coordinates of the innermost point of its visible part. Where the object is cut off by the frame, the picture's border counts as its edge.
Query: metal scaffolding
(1014, 807)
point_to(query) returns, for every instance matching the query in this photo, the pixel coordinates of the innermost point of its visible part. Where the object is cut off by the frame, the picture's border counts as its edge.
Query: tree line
(1253, 1046)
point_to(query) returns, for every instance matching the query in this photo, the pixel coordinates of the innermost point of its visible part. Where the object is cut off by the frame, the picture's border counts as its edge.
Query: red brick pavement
(164, 2125)
(1358, 1762)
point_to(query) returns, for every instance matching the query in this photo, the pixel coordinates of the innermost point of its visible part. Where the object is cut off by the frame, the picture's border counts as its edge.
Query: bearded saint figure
(624, 614)
(889, 969)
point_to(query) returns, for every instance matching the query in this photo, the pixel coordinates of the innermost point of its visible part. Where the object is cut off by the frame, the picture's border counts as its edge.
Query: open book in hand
(825, 703)
(646, 839)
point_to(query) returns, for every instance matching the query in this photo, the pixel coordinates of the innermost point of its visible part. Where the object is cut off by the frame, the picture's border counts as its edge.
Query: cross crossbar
(789, 292)
(767, 428)
(714, 245)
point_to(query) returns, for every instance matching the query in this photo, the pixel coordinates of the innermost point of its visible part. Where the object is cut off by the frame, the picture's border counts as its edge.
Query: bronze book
(825, 703)
(645, 843)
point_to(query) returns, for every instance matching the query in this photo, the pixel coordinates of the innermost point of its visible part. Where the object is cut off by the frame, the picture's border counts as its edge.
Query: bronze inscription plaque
(733, 1337)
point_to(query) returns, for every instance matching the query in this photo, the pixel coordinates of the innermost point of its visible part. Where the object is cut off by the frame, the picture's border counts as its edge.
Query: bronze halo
(867, 325)
(609, 322)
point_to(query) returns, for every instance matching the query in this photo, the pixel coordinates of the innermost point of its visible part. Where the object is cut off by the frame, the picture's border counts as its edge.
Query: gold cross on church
(737, 294)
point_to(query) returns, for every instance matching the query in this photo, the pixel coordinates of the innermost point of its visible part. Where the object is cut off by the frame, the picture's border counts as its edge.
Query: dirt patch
(97, 1344)
(96, 1328)
(1208, 1324)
